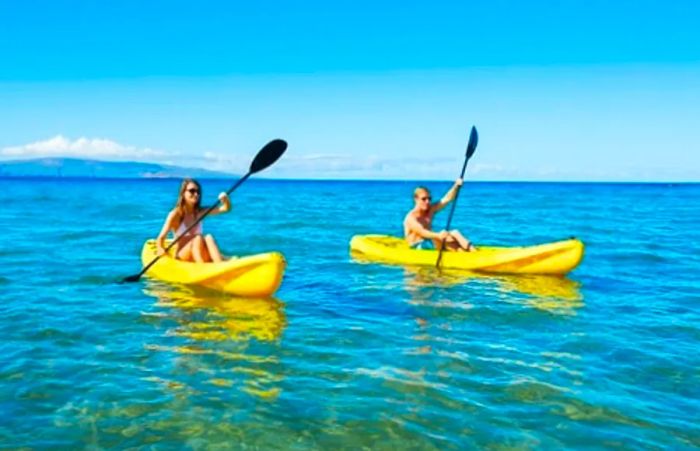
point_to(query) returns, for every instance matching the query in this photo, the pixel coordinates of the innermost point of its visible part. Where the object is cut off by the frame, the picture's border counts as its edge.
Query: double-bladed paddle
(265, 158)
(471, 147)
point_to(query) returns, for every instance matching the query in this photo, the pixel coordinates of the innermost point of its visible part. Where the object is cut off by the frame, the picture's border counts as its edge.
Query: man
(418, 222)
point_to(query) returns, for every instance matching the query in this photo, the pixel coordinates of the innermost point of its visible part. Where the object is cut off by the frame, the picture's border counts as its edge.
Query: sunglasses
(424, 198)
(193, 191)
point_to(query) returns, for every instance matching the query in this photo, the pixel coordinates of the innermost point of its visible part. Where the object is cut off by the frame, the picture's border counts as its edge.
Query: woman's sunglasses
(193, 191)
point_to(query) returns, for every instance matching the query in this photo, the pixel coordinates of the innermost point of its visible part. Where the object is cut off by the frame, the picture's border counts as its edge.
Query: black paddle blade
(268, 155)
(134, 278)
(473, 141)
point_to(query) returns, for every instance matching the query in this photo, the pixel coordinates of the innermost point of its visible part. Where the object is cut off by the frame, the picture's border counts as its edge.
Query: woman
(193, 246)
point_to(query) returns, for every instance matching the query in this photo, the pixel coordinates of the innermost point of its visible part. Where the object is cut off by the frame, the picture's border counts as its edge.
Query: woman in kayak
(193, 246)
(418, 222)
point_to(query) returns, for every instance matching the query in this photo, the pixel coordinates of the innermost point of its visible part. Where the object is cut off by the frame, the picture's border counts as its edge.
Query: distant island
(76, 167)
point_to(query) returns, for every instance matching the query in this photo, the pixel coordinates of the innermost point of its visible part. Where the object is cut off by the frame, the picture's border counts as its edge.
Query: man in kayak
(418, 222)
(193, 246)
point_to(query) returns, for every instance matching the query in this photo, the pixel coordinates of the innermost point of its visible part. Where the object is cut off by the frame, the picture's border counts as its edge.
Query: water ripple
(351, 354)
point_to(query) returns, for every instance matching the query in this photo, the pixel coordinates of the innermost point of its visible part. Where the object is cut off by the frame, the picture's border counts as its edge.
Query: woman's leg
(184, 253)
(195, 250)
(213, 249)
(199, 250)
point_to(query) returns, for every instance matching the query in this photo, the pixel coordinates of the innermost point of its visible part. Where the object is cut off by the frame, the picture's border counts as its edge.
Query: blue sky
(569, 90)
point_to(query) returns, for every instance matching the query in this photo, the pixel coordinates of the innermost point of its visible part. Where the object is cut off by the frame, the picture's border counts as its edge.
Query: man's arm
(448, 197)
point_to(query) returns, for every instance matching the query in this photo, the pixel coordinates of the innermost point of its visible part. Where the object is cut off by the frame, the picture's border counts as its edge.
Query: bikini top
(197, 230)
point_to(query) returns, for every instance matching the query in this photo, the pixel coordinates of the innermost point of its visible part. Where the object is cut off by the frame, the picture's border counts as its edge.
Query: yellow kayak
(257, 275)
(558, 257)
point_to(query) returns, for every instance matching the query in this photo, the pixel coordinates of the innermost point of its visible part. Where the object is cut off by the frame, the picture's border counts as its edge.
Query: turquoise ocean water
(348, 354)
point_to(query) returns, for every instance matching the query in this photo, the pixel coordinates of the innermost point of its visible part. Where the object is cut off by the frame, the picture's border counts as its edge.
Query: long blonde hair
(180, 204)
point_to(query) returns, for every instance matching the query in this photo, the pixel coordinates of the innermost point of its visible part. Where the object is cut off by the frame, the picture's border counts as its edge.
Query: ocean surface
(350, 355)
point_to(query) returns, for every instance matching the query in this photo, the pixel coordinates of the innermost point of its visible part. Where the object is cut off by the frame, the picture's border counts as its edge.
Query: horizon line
(367, 180)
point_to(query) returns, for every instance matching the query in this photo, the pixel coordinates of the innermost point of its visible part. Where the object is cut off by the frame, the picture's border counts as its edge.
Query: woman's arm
(225, 206)
(167, 226)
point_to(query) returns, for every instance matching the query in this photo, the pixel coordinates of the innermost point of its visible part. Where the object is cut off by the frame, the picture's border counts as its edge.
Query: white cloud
(311, 165)
(219, 162)
(95, 148)
(335, 165)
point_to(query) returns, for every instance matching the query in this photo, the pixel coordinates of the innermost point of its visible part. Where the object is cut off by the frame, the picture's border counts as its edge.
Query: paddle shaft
(454, 202)
(471, 147)
(177, 238)
(452, 211)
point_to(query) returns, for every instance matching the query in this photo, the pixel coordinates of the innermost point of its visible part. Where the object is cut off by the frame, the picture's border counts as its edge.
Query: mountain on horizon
(77, 167)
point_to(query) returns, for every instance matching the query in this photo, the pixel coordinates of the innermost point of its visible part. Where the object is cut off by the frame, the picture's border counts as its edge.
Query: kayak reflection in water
(418, 222)
(193, 246)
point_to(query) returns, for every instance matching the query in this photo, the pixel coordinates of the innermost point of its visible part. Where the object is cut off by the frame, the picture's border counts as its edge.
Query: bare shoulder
(172, 216)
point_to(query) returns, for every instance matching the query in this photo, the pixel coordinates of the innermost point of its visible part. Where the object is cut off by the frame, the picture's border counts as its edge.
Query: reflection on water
(551, 293)
(231, 340)
(226, 317)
